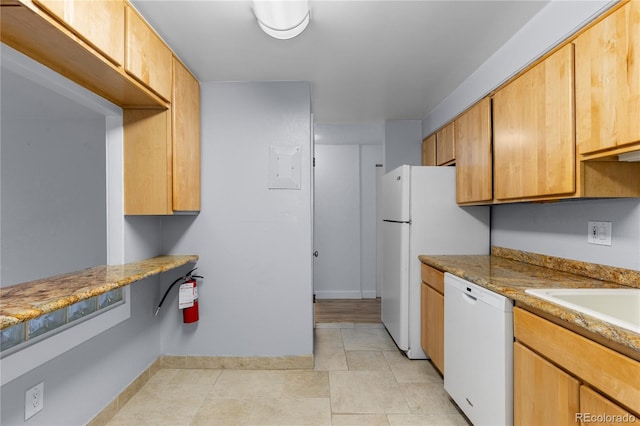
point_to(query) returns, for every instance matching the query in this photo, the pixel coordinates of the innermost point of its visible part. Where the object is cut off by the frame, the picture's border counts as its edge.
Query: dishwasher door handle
(475, 299)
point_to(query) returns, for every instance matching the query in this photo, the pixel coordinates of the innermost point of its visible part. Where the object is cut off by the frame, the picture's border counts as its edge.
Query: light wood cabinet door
(435, 328)
(423, 318)
(474, 158)
(533, 131)
(608, 82)
(542, 393)
(445, 145)
(147, 162)
(147, 57)
(429, 151)
(185, 107)
(593, 405)
(98, 22)
(432, 314)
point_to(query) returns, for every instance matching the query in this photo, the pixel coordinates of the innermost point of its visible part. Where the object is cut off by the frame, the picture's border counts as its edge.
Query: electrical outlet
(599, 233)
(33, 400)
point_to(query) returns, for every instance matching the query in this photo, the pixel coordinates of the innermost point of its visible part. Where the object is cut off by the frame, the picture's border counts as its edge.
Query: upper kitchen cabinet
(83, 41)
(99, 22)
(533, 125)
(162, 152)
(429, 150)
(185, 107)
(474, 174)
(445, 145)
(147, 162)
(147, 57)
(608, 84)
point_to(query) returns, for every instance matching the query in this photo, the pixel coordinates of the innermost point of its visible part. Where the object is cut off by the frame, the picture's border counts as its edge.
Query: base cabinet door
(543, 394)
(435, 333)
(432, 315)
(595, 409)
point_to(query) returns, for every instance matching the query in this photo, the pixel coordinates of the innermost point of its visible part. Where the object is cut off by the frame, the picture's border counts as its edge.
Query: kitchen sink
(618, 306)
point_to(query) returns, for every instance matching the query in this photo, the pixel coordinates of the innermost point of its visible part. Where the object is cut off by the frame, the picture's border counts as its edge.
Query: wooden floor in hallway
(347, 310)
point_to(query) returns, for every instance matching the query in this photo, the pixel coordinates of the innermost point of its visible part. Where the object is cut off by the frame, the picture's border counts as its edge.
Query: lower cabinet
(432, 322)
(596, 409)
(543, 394)
(563, 378)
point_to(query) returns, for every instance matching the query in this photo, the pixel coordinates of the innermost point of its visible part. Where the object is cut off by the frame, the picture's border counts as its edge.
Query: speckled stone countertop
(510, 273)
(22, 302)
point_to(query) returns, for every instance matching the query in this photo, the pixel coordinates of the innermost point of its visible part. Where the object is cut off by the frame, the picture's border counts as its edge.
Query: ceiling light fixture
(282, 19)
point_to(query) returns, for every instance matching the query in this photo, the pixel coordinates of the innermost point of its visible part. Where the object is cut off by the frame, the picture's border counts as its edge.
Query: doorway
(336, 224)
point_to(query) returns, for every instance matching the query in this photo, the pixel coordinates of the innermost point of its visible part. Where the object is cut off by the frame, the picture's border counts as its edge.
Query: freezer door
(396, 186)
(395, 281)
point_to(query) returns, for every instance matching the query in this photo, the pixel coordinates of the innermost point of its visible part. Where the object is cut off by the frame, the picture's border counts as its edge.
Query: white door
(336, 224)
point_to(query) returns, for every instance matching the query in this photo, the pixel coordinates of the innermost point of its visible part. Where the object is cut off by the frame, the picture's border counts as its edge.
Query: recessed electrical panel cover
(284, 167)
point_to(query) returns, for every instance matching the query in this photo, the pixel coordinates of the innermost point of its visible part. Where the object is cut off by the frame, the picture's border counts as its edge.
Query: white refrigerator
(420, 216)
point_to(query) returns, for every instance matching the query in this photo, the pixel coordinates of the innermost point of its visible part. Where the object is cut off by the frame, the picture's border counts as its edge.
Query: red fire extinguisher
(189, 284)
(191, 314)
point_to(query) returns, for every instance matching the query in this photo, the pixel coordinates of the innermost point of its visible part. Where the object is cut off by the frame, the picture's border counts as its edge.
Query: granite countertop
(22, 302)
(510, 273)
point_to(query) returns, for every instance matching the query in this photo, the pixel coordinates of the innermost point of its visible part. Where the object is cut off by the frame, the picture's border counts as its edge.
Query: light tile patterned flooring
(360, 378)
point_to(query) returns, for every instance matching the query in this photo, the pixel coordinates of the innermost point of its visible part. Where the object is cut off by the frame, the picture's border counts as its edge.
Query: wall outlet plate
(33, 400)
(599, 233)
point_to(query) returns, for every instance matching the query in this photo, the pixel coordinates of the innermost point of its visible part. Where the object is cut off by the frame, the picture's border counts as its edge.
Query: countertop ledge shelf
(510, 272)
(22, 302)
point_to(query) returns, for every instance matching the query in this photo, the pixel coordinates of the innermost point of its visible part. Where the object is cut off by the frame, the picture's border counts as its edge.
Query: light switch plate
(599, 233)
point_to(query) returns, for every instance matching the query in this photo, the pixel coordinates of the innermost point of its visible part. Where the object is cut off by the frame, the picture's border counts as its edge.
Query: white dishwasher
(478, 351)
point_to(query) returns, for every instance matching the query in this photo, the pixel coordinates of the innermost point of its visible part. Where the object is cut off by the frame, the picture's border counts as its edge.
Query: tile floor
(360, 378)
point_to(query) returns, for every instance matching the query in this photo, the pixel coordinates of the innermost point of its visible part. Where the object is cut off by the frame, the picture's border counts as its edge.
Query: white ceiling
(366, 60)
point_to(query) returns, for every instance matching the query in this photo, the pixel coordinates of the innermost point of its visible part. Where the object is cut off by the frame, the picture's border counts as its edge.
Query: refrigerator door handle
(397, 221)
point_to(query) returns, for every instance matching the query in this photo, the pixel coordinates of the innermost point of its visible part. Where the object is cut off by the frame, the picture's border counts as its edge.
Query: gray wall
(53, 185)
(254, 243)
(370, 155)
(560, 229)
(402, 143)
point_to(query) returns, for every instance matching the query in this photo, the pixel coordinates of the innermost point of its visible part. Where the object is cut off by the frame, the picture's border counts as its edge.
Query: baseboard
(300, 362)
(338, 295)
(107, 413)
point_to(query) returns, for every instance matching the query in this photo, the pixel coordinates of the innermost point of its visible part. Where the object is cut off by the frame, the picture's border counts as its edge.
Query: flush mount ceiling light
(282, 19)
